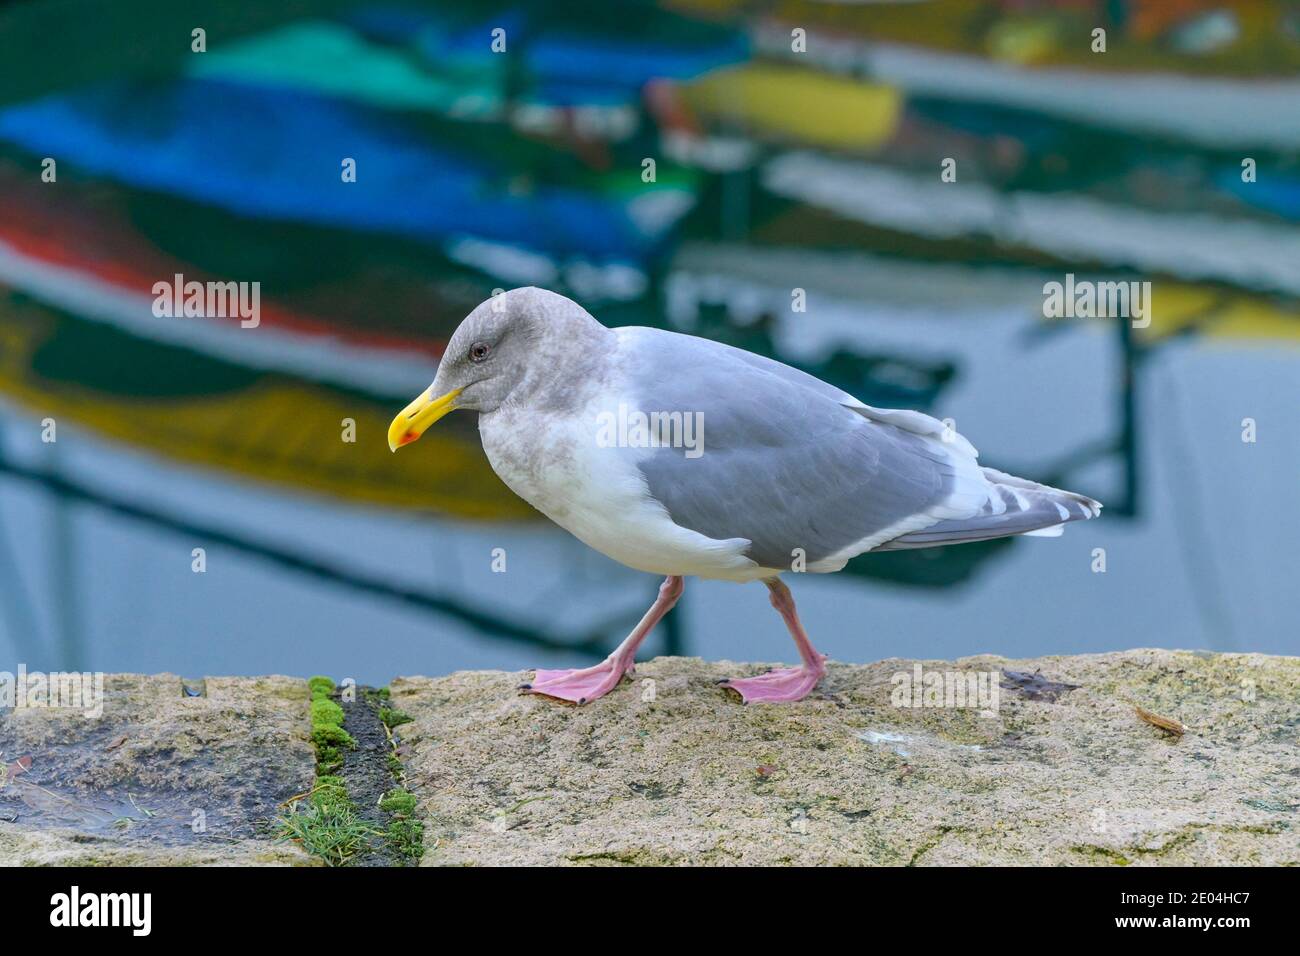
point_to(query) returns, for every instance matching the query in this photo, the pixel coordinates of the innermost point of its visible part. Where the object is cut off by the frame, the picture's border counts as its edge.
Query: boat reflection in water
(885, 211)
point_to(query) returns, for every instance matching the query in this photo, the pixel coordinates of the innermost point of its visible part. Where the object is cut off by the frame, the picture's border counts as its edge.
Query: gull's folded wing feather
(788, 462)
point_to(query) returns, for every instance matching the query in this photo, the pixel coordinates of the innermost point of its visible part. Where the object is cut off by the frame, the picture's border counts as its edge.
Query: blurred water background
(797, 146)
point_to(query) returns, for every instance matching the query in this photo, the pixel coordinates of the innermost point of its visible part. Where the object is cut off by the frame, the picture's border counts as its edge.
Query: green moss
(393, 718)
(406, 837)
(398, 801)
(326, 712)
(1101, 853)
(327, 731)
(320, 686)
(405, 833)
(329, 735)
(329, 790)
(327, 824)
(328, 759)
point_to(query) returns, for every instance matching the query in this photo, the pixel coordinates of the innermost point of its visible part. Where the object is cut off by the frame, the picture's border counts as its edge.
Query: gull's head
(499, 350)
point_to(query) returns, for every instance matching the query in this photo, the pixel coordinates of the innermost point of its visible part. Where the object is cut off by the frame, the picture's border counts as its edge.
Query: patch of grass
(328, 827)
(320, 687)
(405, 833)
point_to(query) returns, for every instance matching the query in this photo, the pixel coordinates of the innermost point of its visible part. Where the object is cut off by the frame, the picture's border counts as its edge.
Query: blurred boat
(815, 171)
(270, 165)
(788, 104)
(1247, 38)
(1077, 229)
(83, 257)
(203, 410)
(331, 59)
(1160, 77)
(441, 62)
(1273, 191)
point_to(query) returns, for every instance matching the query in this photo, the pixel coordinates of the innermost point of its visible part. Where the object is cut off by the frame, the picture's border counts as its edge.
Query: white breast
(556, 463)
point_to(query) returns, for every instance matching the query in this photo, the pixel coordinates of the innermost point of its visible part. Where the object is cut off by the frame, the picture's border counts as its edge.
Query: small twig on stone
(1169, 726)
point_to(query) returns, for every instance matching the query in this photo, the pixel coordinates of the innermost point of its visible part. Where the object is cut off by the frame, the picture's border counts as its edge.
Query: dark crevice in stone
(367, 775)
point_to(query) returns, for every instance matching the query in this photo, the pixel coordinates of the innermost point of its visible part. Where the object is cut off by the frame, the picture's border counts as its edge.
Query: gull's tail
(1015, 506)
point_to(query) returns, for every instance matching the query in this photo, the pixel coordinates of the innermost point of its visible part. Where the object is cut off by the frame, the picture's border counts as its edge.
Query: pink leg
(589, 683)
(788, 683)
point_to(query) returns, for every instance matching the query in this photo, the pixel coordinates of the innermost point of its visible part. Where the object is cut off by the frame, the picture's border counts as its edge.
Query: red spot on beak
(407, 439)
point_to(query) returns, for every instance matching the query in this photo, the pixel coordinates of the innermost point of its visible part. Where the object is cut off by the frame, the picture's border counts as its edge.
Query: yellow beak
(415, 418)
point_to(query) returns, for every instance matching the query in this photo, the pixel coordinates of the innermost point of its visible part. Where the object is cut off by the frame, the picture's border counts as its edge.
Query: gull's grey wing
(788, 461)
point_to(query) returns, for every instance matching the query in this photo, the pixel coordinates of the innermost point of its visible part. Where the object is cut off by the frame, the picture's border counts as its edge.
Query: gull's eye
(479, 351)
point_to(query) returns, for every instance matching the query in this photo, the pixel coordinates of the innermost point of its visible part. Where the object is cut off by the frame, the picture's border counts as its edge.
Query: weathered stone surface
(845, 777)
(126, 787)
(20, 846)
(687, 775)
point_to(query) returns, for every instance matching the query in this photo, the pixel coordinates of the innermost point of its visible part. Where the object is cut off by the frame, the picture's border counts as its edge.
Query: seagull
(676, 455)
